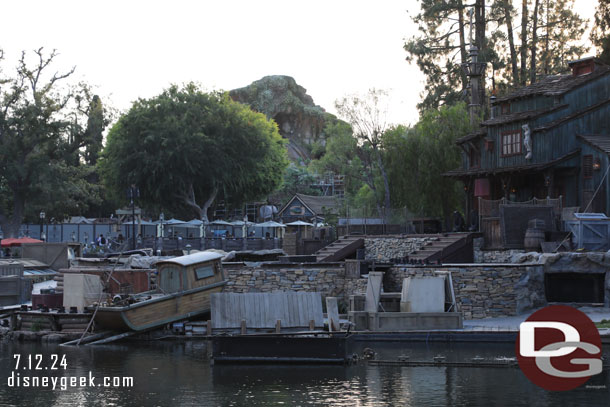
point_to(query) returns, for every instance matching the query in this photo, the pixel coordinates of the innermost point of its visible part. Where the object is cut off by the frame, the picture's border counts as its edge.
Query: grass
(604, 323)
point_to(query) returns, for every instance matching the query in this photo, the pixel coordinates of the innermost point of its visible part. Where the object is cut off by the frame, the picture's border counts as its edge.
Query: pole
(133, 221)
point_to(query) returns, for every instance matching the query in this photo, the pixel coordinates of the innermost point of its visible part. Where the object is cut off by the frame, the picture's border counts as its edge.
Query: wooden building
(309, 208)
(548, 139)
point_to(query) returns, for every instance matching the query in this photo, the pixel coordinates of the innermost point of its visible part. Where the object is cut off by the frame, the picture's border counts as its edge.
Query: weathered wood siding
(558, 141)
(263, 310)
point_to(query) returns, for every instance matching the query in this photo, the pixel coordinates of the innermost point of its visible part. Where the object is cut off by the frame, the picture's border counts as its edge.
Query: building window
(587, 166)
(511, 143)
(204, 272)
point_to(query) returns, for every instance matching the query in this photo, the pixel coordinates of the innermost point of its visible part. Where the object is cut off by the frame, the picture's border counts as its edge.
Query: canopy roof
(173, 221)
(190, 259)
(241, 223)
(299, 223)
(12, 241)
(221, 223)
(270, 224)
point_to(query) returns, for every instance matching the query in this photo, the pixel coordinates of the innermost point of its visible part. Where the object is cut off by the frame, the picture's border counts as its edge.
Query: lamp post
(42, 235)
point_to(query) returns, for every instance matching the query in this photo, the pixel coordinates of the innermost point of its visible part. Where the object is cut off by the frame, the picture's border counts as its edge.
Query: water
(179, 373)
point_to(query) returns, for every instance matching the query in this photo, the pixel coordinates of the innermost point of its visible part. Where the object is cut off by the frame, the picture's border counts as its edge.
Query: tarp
(11, 241)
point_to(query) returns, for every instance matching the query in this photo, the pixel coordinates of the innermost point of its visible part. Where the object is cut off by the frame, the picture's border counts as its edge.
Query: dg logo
(559, 348)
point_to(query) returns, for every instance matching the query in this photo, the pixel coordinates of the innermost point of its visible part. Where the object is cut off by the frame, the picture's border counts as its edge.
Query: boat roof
(190, 259)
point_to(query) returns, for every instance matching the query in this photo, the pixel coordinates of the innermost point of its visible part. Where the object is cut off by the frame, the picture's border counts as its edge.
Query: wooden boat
(185, 285)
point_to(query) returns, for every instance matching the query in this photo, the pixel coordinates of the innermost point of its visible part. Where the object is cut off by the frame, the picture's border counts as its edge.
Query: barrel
(534, 234)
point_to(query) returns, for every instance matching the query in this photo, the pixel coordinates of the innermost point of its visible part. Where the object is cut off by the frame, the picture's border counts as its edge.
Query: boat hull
(157, 312)
(293, 348)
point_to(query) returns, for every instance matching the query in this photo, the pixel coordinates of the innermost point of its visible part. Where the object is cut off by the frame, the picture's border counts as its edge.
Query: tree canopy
(42, 138)
(520, 40)
(184, 147)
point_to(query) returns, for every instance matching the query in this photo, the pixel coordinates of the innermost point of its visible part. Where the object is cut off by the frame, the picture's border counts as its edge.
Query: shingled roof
(599, 141)
(555, 85)
(519, 116)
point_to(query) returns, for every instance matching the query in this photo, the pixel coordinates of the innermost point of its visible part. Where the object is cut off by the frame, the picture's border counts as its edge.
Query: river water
(179, 373)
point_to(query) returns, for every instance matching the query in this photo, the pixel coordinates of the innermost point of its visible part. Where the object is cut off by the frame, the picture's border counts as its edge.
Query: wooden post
(209, 328)
(312, 325)
(373, 291)
(278, 326)
(243, 326)
(332, 310)
(13, 321)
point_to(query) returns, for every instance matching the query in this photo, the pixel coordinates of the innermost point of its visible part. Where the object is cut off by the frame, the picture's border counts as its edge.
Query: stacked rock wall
(330, 280)
(480, 292)
(386, 248)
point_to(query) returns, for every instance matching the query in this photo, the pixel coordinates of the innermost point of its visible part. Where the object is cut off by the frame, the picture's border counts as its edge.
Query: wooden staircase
(449, 248)
(340, 249)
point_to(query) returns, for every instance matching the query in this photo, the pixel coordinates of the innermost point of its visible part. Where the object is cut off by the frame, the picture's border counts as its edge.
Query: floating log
(112, 338)
(87, 339)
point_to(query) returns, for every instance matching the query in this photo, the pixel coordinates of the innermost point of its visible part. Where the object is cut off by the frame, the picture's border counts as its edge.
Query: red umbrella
(12, 241)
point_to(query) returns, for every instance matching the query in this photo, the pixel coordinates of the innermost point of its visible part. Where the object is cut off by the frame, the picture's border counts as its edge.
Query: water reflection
(179, 373)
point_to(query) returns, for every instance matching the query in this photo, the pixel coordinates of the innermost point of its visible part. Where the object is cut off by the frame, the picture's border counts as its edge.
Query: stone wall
(386, 248)
(496, 256)
(330, 280)
(492, 256)
(480, 291)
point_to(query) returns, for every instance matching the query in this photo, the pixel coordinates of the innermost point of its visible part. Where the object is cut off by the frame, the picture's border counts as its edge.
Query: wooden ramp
(341, 248)
(449, 248)
(264, 310)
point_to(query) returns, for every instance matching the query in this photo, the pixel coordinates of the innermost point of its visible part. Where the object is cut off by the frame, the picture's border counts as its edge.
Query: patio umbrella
(299, 223)
(12, 241)
(270, 224)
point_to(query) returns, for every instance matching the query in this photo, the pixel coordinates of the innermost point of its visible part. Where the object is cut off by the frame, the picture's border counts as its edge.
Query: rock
(299, 120)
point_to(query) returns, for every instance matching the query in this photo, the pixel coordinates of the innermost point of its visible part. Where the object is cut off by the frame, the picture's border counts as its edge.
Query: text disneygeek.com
(65, 382)
(54, 362)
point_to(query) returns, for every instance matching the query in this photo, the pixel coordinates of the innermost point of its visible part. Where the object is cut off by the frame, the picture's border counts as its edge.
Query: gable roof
(555, 85)
(317, 205)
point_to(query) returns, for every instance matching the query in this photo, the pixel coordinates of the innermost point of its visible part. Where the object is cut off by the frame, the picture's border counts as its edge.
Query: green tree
(185, 146)
(548, 36)
(39, 138)
(366, 115)
(600, 34)
(418, 157)
(341, 157)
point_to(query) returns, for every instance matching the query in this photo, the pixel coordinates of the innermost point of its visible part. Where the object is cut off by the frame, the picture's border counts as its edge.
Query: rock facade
(266, 277)
(384, 249)
(492, 256)
(495, 256)
(480, 292)
(299, 120)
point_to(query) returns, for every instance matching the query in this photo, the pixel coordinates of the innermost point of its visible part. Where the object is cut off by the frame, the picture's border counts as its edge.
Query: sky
(134, 49)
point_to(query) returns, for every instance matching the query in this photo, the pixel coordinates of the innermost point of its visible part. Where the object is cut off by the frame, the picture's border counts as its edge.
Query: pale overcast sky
(130, 49)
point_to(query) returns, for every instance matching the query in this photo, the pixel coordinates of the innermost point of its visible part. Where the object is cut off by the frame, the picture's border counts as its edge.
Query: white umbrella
(299, 223)
(221, 223)
(270, 224)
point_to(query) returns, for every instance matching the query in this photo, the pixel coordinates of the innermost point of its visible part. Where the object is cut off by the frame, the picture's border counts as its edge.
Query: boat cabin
(189, 272)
